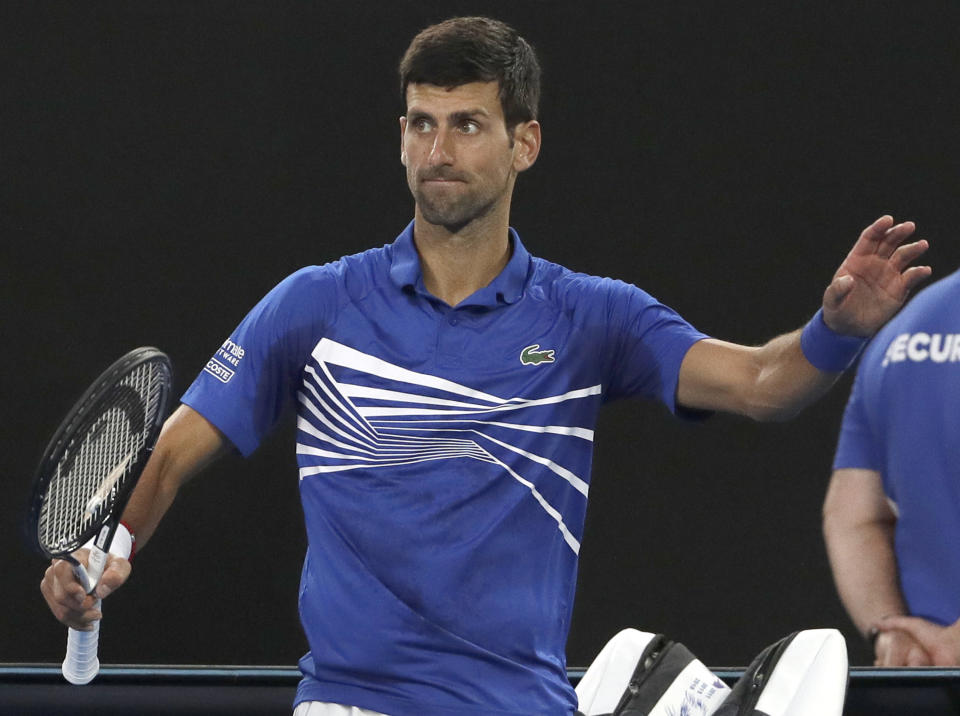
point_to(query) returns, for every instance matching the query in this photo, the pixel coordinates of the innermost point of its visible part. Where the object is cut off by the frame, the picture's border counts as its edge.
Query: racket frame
(104, 527)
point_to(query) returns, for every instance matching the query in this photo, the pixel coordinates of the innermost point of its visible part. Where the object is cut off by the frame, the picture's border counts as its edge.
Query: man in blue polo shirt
(892, 512)
(447, 387)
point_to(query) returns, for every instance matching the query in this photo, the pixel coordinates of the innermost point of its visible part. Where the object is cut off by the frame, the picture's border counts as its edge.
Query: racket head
(93, 460)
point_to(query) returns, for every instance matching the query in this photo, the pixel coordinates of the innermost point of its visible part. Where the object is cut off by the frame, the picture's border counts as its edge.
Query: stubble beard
(454, 212)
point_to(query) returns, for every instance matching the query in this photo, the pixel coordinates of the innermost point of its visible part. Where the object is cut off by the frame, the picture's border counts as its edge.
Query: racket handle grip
(81, 663)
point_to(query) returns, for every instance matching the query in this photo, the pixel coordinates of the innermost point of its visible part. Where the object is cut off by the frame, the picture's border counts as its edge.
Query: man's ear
(526, 144)
(403, 130)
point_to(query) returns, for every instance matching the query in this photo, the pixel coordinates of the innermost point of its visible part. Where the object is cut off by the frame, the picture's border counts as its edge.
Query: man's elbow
(768, 396)
(765, 408)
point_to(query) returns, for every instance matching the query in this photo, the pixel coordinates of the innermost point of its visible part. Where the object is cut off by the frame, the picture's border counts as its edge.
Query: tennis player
(447, 385)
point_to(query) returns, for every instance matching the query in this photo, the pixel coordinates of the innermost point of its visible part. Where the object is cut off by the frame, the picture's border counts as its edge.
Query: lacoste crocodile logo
(532, 355)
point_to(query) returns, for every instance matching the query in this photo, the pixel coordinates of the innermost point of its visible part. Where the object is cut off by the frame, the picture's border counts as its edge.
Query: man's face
(460, 160)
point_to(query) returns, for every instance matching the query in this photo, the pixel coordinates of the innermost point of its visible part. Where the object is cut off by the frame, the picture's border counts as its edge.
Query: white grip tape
(81, 663)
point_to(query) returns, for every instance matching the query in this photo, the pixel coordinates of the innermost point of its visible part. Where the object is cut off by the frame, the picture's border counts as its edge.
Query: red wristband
(133, 539)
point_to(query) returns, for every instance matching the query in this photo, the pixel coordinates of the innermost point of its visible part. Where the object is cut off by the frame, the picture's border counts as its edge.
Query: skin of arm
(858, 528)
(187, 444)
(770, 382)
(775, 381)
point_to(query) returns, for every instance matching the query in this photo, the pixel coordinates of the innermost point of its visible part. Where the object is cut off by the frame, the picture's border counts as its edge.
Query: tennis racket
(87, 474)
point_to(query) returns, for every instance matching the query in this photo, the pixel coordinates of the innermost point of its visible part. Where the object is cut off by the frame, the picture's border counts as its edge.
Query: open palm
(875, 278)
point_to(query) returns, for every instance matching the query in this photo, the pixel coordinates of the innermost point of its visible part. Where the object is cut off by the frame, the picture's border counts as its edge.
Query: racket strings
(93, 468)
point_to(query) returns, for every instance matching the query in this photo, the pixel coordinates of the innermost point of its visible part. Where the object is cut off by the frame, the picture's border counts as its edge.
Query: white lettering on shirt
(920, 347)
(230, 352)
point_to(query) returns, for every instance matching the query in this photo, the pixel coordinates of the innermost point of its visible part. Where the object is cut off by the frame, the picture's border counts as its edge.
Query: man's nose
(441, 152)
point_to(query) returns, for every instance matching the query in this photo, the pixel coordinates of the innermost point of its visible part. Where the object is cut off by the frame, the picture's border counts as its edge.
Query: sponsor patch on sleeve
(218, 370)
(229, 354)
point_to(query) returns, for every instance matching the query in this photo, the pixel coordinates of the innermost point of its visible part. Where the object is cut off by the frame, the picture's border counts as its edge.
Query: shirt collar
(507, 287)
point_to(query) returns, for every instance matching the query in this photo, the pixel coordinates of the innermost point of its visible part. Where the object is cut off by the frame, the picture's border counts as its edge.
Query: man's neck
(455, 264)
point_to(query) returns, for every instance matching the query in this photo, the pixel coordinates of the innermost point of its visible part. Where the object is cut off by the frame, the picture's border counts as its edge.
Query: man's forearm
(769, 382)
(187, 443)
(865, 570)
(151, 499)
(786, 381)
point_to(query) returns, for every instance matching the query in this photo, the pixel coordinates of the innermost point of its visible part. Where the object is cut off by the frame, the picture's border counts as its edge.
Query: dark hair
(476, 49)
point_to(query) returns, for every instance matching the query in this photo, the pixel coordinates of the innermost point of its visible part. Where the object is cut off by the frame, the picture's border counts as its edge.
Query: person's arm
(778, 379)
(187, 443)
(858, 527)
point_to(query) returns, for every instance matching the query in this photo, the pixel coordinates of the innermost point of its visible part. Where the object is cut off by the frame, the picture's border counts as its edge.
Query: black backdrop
(164, 164)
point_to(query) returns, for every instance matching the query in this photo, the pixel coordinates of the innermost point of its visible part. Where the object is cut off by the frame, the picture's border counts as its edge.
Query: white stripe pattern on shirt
(358, 426)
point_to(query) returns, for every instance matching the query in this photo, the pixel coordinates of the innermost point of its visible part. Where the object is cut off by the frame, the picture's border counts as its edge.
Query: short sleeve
(856, 447)
(248, 381)
(649, 341)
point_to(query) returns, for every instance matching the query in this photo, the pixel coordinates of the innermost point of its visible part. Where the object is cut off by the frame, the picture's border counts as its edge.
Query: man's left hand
(875, 279)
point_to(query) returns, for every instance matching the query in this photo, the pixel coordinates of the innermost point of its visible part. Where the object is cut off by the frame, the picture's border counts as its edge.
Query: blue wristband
(826, 349)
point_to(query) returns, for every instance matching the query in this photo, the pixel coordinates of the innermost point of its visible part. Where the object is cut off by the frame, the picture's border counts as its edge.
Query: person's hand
(899, 648)
(942, 643)
(65, 596)
(875, 279)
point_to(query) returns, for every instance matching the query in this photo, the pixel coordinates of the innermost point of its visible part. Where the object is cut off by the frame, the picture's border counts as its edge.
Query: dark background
(165, 164)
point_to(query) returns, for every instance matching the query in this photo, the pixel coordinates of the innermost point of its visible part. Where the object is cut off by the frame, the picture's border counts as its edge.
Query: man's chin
(454, 214)
(451, 218)
(452, 225)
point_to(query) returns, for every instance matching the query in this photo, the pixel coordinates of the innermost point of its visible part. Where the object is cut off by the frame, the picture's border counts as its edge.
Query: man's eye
(469, 127)
(421, 125)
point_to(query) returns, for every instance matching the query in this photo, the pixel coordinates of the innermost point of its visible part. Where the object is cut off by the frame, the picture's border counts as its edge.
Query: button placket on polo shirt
(452, 339)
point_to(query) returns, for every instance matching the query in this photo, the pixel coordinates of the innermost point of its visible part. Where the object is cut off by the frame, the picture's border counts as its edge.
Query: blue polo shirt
(903, 421)
(444, 464)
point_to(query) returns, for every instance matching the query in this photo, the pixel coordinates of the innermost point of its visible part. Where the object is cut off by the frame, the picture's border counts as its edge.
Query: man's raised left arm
(778, 379)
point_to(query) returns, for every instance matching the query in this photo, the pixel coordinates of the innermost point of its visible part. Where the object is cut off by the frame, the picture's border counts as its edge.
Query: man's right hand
(65, 596)
(899, 648)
